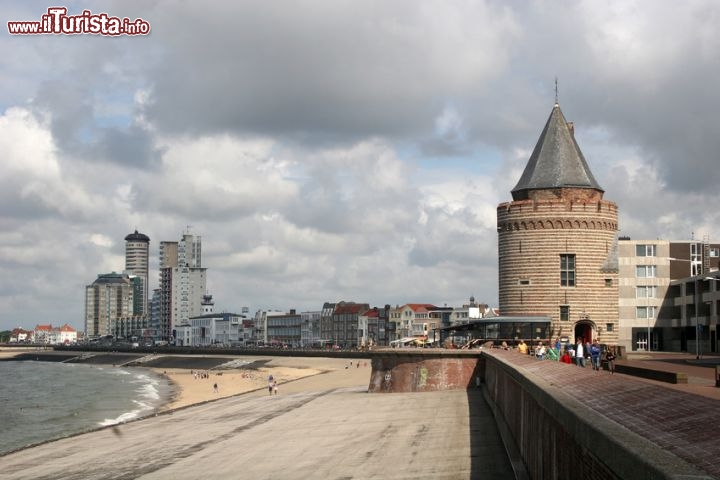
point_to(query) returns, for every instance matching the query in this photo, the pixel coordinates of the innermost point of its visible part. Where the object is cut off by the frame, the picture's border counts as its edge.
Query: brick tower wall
(532, 234)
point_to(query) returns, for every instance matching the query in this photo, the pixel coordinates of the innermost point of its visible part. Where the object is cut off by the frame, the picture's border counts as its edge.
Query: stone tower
(557, 242)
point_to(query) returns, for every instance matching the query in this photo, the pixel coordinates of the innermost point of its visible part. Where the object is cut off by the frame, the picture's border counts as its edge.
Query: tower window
(564, 313)
(567, 270)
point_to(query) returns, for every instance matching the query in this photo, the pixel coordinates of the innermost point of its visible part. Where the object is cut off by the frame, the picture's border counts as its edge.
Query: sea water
(43, 401)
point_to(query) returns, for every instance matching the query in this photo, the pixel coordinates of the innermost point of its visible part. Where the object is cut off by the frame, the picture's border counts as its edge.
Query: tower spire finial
(556, 92)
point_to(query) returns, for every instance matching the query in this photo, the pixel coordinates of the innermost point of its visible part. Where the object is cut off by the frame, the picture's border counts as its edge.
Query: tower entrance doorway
(584, 329)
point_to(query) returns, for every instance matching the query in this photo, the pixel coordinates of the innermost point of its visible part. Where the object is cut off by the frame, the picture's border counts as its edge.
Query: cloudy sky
(340, 149)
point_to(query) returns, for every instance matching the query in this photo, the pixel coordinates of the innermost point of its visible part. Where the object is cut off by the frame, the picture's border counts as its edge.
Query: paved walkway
(326, 426)
(682, 419)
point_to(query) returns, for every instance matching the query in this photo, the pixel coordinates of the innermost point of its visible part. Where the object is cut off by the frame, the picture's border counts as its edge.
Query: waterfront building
(372, 327)
(19, 335)
(108, 299)
(326, 324)
(310, 328)
(154, 317)
(49, 335)
(283, 328)
(137, 254)
(215, 329)
(182, 283)
(557, 242)
(417, 319)
(657, 301)
(133, 327)
(345, 323)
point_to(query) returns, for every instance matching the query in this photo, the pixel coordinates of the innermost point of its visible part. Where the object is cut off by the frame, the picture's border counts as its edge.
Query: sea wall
(419, 370)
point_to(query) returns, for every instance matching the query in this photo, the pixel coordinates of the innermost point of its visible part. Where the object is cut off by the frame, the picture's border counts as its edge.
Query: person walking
(610, 357)
(579, 354)
(595, 352)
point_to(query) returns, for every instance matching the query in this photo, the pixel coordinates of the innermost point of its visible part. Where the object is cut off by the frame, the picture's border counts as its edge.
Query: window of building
(645, 250)
(564, 313)
(524, 282)
(608, 282)
(645, 271)
(715, 252)
(645, 312)
(609, 327)
(649, 291)
(567, 270)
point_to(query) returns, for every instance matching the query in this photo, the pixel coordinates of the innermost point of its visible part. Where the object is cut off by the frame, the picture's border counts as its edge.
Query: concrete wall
(417, 370)
(559, 437)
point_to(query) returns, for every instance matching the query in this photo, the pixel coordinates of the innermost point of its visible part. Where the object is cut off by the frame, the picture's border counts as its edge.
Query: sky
(335, 150)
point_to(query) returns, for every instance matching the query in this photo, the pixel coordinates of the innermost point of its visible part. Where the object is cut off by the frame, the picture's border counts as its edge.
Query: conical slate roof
(556, 162)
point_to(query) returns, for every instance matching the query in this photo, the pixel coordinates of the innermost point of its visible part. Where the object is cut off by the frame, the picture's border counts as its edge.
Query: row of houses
(342, 324)
(45, 335)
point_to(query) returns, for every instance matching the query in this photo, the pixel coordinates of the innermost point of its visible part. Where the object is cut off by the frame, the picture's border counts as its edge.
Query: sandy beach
(198, 386)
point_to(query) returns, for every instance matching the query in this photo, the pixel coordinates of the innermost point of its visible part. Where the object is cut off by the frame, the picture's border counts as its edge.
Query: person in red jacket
(566, 357)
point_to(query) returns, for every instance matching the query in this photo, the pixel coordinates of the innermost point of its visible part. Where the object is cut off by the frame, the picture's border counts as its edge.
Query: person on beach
(275, 388)
(271, 384)
(215, 388)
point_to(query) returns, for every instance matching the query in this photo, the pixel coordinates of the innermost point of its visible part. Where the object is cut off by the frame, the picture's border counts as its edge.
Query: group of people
(576, 353)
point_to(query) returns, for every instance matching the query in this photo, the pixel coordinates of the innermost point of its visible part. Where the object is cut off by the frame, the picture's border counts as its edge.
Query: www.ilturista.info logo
(58, 22)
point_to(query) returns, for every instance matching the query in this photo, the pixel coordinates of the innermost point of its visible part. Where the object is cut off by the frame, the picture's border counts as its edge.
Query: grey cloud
(339, 70)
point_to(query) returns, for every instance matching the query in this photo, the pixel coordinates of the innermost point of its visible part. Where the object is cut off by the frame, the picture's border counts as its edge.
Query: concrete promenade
(681, 419)
(325, 426)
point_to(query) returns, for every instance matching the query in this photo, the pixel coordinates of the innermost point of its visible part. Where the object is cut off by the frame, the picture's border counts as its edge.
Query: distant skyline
(337, 150)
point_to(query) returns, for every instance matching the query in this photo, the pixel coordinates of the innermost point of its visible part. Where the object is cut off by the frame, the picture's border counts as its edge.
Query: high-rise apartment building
(557, 241)
(183, 283)
(107, 300)
(137, 254)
